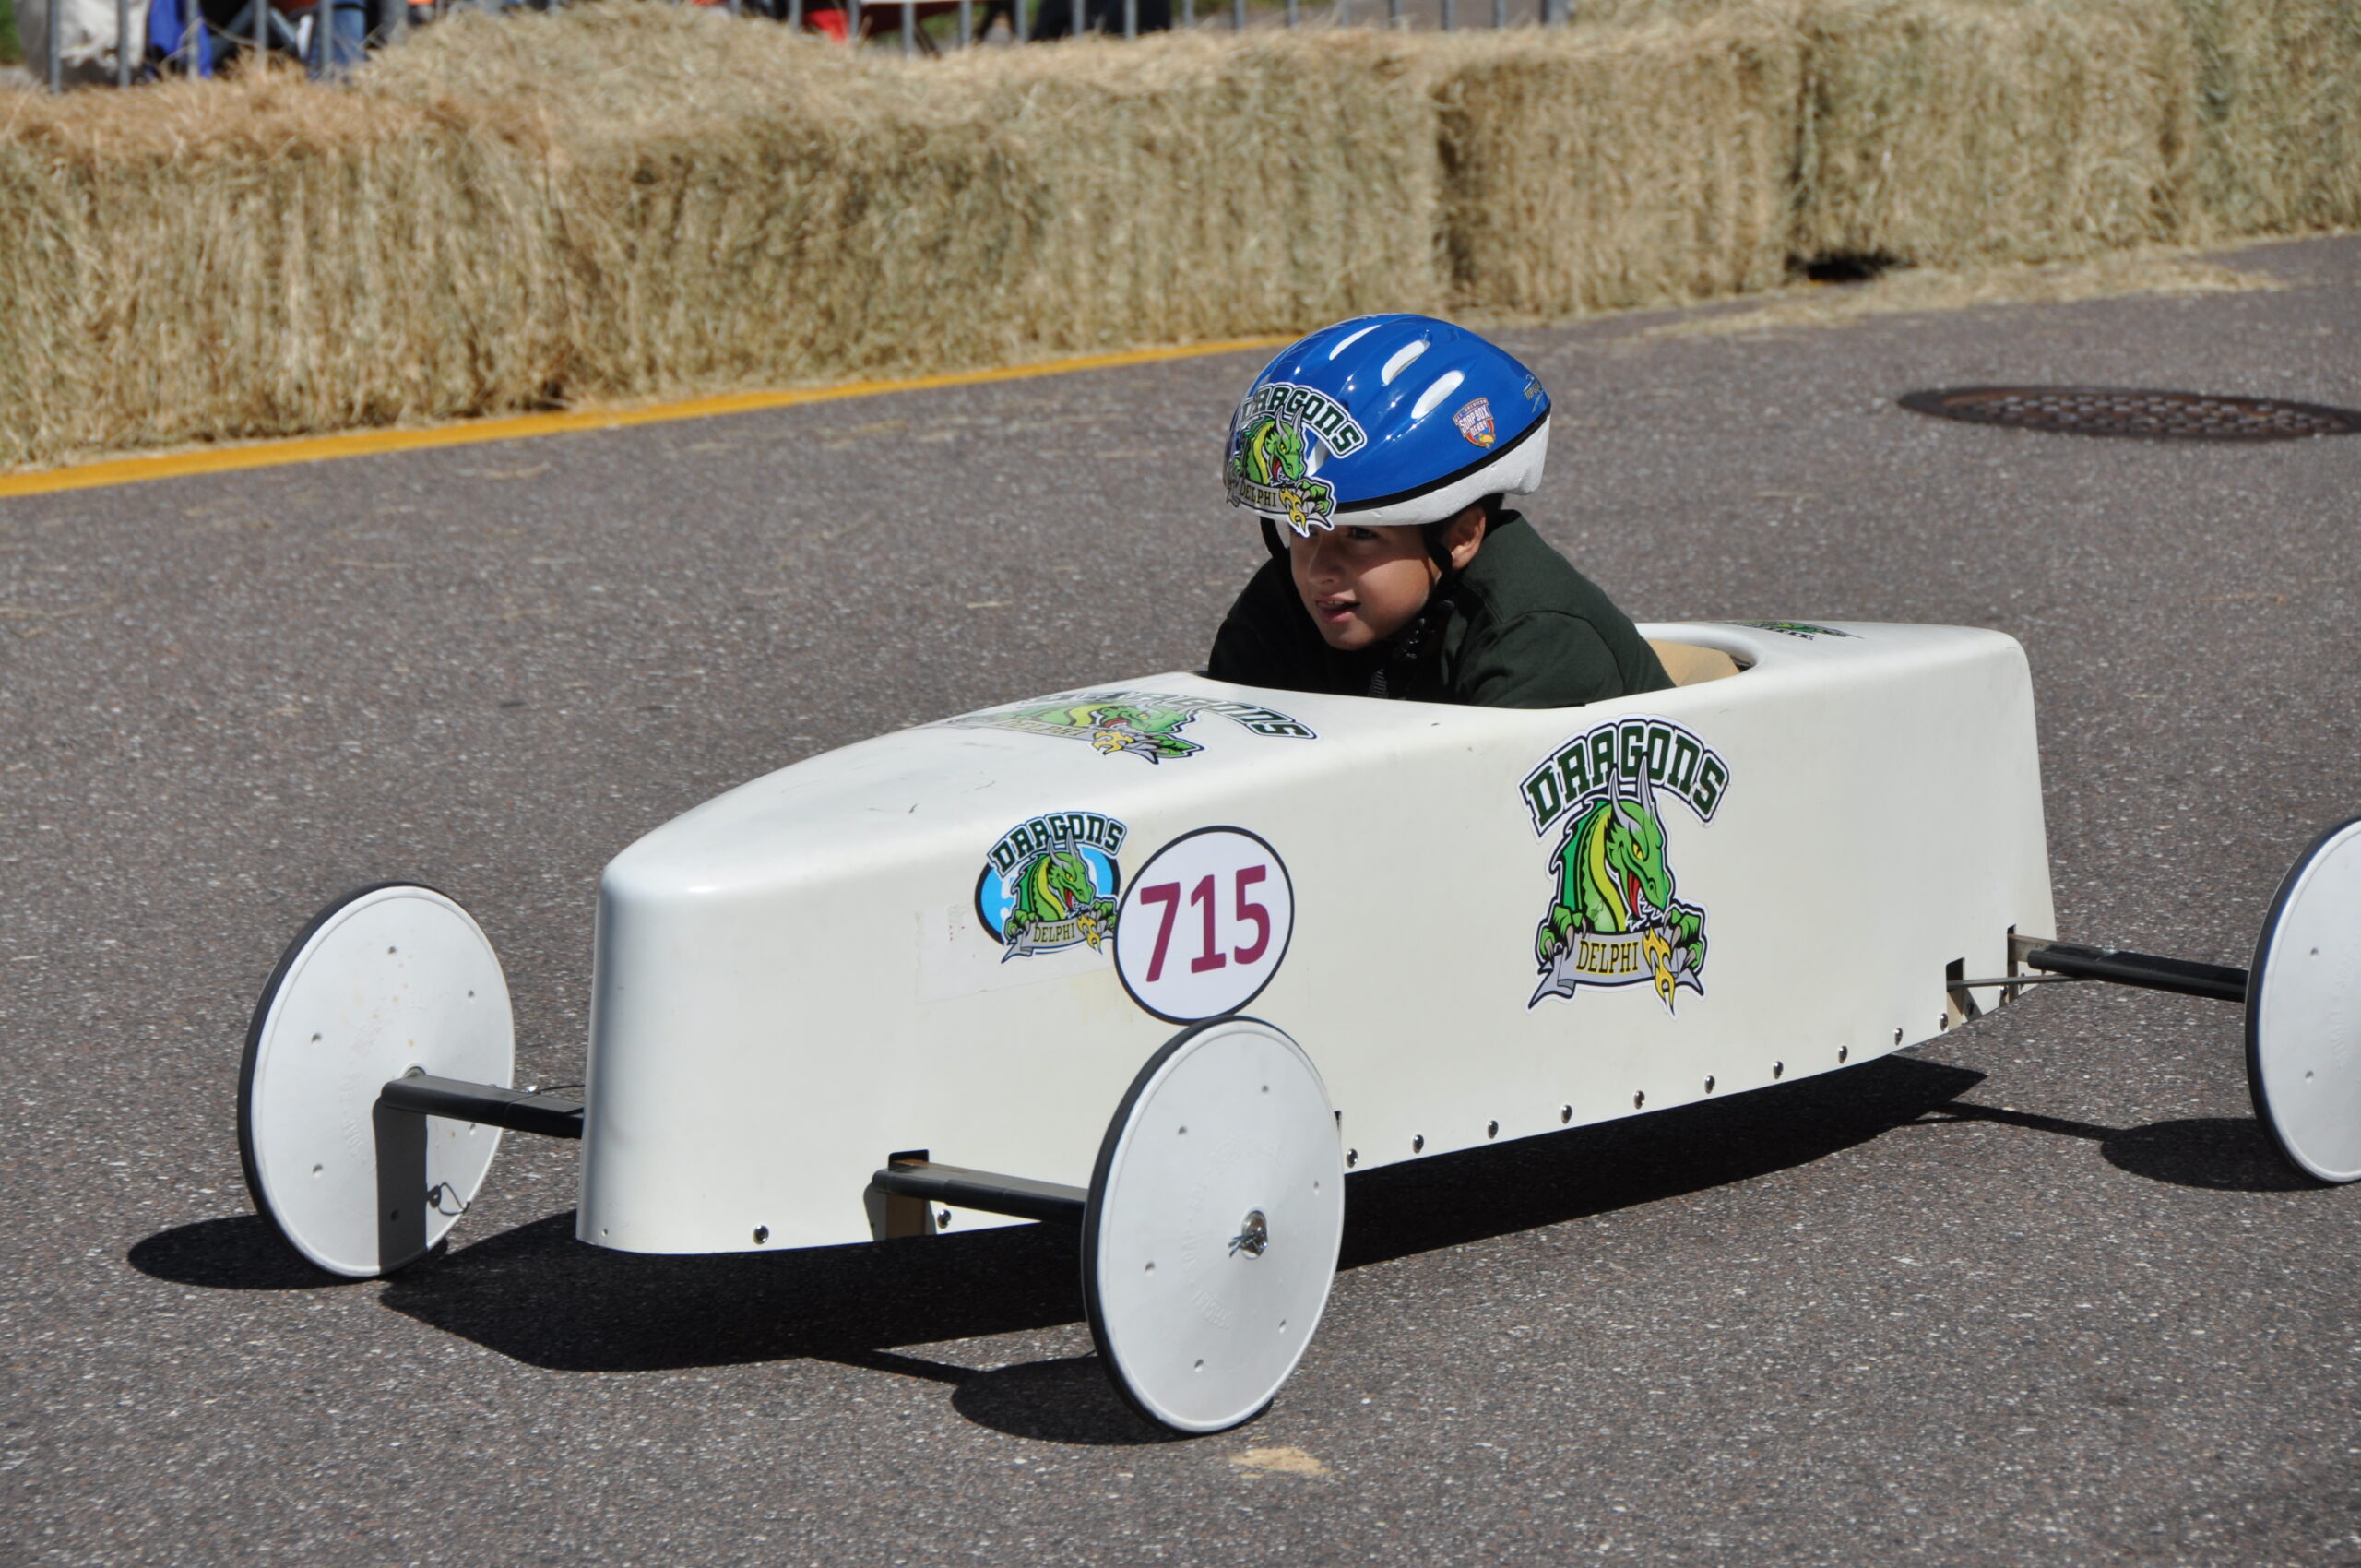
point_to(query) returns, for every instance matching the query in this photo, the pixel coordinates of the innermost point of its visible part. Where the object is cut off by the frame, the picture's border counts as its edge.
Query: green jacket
(1518, 628)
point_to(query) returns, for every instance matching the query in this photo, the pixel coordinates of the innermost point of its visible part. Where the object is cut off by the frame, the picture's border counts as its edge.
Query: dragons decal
(1614, 918)
(1051, 882)
(1804, 629)
(1270, 470)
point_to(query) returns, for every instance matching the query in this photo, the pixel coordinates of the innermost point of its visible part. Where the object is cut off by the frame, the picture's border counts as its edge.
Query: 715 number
(1202, 897)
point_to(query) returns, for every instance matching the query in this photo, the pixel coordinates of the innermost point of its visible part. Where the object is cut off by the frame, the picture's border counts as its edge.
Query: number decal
(1169, 894)
(1259, 916)
(1243, 904)
(1209, 957)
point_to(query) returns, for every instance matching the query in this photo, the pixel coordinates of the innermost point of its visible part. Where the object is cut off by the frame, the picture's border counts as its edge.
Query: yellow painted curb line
(320, 448)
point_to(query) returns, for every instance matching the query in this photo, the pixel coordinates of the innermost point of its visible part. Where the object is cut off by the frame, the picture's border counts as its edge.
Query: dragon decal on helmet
(1268, 468)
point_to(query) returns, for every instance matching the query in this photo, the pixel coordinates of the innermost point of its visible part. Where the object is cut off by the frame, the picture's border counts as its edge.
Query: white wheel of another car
(387, 982)
(1211, 1233)
(2304, 1011)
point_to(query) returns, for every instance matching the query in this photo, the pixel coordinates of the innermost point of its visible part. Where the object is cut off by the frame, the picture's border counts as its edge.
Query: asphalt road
(2037, 1294)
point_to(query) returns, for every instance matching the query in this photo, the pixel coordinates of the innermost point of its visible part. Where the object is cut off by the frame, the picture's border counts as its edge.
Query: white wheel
(2304, 1011)
(1210, 1238)
(383, 982)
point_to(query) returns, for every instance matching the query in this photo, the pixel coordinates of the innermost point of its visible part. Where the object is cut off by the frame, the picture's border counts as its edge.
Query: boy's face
(1362, 585)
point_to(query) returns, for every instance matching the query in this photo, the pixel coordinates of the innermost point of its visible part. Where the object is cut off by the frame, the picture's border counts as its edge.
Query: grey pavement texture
(2037, 1294)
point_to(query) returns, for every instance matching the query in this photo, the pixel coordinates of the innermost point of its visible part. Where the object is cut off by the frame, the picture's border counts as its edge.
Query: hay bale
(730, 204)
(1957, 132)
(1205, 186)
(1604, 167)
(2278, 99)
(254, 258)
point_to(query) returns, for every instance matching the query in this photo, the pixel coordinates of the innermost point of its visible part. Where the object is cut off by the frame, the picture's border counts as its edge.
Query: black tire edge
(2255, 972)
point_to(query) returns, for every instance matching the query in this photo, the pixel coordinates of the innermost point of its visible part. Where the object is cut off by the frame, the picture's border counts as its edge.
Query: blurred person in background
(289, 32)
(1055, 19)
(348, 36)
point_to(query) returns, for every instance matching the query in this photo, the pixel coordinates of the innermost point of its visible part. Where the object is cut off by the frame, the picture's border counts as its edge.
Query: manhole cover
(2158, 416)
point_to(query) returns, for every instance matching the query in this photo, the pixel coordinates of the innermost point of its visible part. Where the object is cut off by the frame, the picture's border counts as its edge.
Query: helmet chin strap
(1408, 645)
(1271, 539)
(1437, 550)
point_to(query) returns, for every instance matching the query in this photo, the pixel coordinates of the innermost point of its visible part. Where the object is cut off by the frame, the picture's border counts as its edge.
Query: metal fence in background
(1122, 18)
(191, 45)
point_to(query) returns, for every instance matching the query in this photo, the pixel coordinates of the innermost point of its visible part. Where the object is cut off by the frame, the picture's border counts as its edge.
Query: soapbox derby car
(1165, 959)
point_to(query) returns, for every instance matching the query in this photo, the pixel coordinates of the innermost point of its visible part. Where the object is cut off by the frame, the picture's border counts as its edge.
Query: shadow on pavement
(2218, 1153)
(534, 1294)
(2228, 1153)
(538, 1295)
(1067, 1399)
(240, 1253)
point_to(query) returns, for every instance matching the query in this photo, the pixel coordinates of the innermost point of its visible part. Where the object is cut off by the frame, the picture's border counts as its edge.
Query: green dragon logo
(1614, 918)
(1142, 724)
(1267, 472)
(1052, 883)
(1137, 730)
(1271, 456)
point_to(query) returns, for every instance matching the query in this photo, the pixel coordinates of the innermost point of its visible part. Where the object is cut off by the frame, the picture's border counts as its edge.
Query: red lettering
(1254, 914)
(1207, 958)
(1169, 894)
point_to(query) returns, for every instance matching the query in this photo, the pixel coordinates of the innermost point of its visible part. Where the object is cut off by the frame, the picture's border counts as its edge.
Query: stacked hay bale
(197, 262)
(730, 204)
(1959, 132)
(634, 200)
(2277, 95)
(740, 204)
(631, 200)
(1212, 187)
(1602, 167)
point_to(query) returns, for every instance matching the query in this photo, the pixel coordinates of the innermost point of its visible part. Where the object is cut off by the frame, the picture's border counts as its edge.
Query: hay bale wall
(635, 199)
(741, 205)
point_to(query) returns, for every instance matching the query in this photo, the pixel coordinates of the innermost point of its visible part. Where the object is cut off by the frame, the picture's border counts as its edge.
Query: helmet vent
(1446, 384)
(1356, 337)
(1401, 361)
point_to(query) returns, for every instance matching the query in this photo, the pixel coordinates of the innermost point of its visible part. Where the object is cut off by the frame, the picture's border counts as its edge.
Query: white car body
(795, 979)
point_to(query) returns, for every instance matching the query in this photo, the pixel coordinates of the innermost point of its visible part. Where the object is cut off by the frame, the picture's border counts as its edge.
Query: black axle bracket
(2215, 982)
(1019, 1196)
(487, 1105)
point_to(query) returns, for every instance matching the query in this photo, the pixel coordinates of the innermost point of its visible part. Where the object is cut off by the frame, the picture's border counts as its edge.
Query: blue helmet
(1385, 419)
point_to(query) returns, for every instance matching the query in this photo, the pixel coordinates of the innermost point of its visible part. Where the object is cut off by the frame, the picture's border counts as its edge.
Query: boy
(1386, 446)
